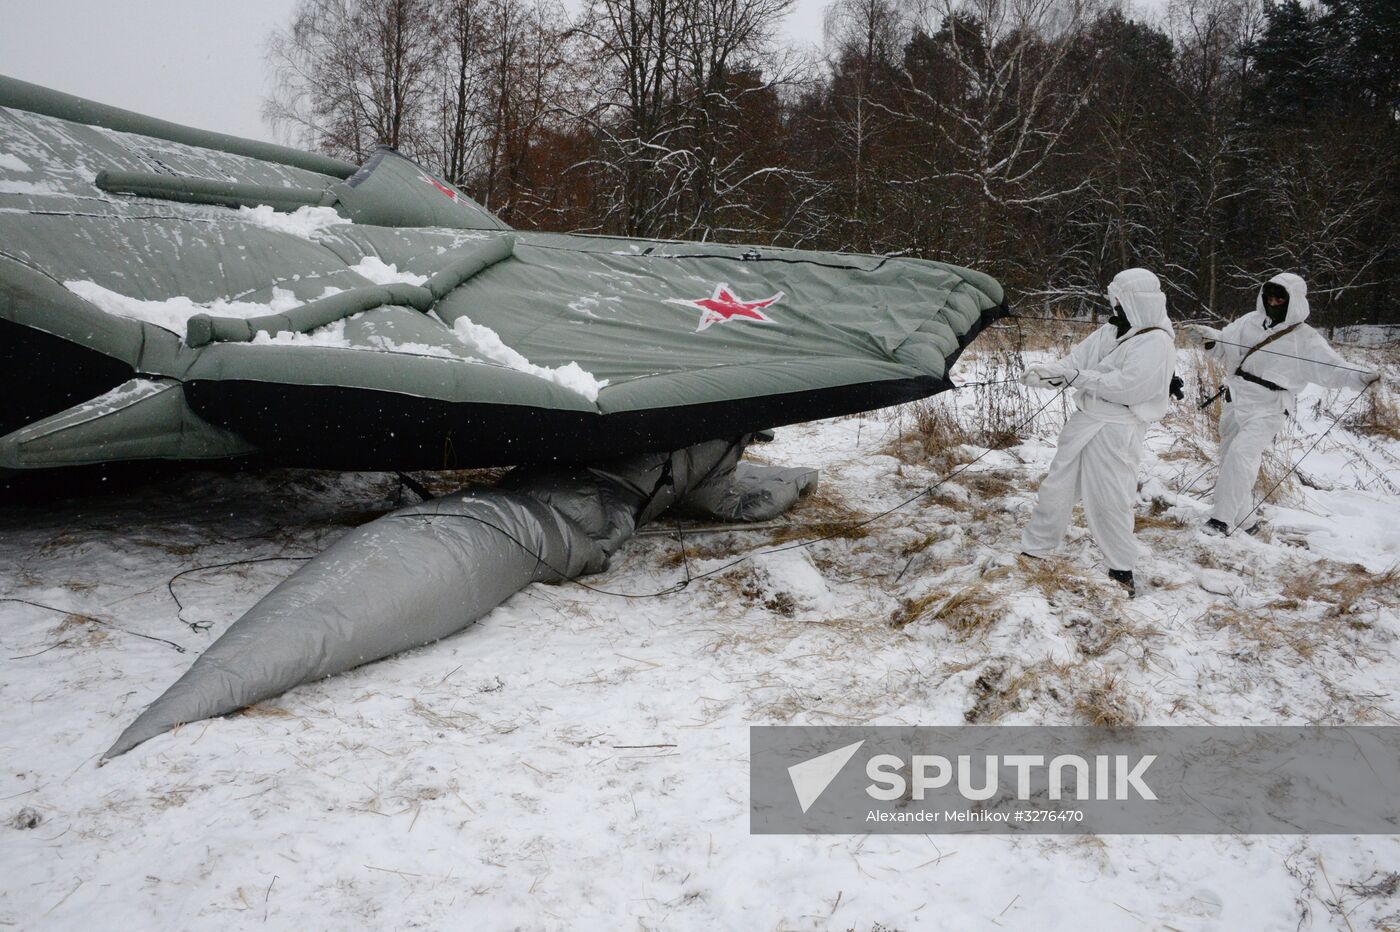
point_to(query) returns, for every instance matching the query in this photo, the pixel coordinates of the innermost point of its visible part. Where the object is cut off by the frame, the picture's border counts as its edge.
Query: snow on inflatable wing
(172, 293)
(424, 572)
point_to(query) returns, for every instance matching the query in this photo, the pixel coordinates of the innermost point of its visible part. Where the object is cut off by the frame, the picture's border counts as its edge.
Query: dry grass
(77, 630)
(749, 588)
(1276, 475)
(988, 485)
(1001, 412)
(264, 710)
(1346, 589)
(1103, 703)
(1002, 688)
(936, 438)
(1053, 577)
(823, 514)
(168, 546)
(1157, 517)
(1378, 416)
(966, 612)
(1042, 336)
(1269, 630)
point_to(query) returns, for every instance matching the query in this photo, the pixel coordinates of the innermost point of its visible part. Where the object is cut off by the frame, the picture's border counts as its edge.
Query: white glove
(1048, 375)
(1200, 333)
(1371, 378)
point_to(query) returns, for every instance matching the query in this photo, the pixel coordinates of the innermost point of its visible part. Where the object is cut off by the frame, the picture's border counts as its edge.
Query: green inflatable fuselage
(171, 293)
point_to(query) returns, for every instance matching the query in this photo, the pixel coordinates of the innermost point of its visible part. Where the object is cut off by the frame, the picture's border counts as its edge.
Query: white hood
(1140, 295)
(1297, 299)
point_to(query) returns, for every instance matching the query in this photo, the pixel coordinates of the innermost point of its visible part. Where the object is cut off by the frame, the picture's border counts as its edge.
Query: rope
(1319, 362)
(198, 626)
(1292, 469)
(97, 621)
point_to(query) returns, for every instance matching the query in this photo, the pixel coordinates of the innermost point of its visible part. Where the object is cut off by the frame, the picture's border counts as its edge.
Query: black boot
(1216, 526)
(1124, 578)
(1254, 531)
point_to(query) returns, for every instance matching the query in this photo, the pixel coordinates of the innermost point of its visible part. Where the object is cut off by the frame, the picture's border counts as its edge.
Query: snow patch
(174, 313)
(304, 222)
(388, 345)
(489, 345)
(332, 335)
(383, 273)
(28, 187)
(13, 163)
(792, 572)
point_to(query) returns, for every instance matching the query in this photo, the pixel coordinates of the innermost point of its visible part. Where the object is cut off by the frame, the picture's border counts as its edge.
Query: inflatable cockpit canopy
(167, 292)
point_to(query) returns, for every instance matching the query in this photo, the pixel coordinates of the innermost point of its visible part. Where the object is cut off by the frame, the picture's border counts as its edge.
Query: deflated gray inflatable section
(427, 571)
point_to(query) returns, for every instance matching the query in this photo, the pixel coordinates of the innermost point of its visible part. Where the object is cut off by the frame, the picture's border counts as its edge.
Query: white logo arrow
(811, 777)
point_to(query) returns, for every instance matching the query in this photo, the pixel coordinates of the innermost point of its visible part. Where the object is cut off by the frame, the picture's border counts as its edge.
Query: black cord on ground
(97, 621)
(198, 626)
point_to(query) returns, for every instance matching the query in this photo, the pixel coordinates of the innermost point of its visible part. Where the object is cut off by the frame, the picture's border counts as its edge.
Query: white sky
(198, 62)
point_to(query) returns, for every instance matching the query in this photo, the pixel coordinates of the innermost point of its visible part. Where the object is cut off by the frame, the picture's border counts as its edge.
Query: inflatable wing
(167, 292)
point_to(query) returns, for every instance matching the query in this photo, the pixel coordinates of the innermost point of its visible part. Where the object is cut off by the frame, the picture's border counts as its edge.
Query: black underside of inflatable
(334, 427)
(41, 374)
(337, 427)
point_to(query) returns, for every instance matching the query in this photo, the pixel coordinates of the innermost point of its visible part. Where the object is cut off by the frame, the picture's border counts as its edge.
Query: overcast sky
(198, 62)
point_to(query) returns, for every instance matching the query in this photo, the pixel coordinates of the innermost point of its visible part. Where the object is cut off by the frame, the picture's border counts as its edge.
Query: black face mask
(1120, 321)
(1275, 312)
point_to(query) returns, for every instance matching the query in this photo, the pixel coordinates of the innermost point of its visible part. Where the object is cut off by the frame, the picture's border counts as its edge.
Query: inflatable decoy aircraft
(171, 293)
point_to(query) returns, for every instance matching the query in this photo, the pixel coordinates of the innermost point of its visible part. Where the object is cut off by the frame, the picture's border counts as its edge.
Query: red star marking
(724, 305)
(446, 191)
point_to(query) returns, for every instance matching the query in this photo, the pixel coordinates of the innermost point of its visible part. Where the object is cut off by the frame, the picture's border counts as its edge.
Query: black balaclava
(1120, 321)
(1276, 314)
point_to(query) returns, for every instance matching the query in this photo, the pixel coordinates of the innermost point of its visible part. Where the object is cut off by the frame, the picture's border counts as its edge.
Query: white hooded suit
(1121, 384)
(1254, 413)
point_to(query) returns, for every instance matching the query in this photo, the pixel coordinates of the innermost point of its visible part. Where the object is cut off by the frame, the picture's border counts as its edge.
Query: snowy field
(579, 760)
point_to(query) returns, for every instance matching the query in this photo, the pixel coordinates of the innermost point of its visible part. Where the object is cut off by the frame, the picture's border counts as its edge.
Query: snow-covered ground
(579, 760)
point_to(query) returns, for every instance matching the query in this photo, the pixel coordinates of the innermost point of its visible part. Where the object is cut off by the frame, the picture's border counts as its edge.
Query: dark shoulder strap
(1140, 333)
(1239, 370)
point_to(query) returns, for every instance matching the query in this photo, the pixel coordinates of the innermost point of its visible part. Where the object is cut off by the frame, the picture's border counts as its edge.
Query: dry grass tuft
(822, 514)
(1270, 631)
(1379, 416)
(1195, 428)
(167, 546)
(936, 439)
(988, 485)
(1053, 576)
(1276, 473)
(1157, 517)
(1103, 703)
(77, 630)
(968, 611)
(1346, 590)
(264, 710)
(1001, 688)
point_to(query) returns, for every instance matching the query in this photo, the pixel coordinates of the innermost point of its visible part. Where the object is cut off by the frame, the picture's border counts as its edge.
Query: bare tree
(1213, 141)
(351, 74)
(1006, 106)
(672, 79)
(864, 39)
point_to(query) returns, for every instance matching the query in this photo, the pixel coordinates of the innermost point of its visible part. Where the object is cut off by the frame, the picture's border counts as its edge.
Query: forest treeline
(1049, 142)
